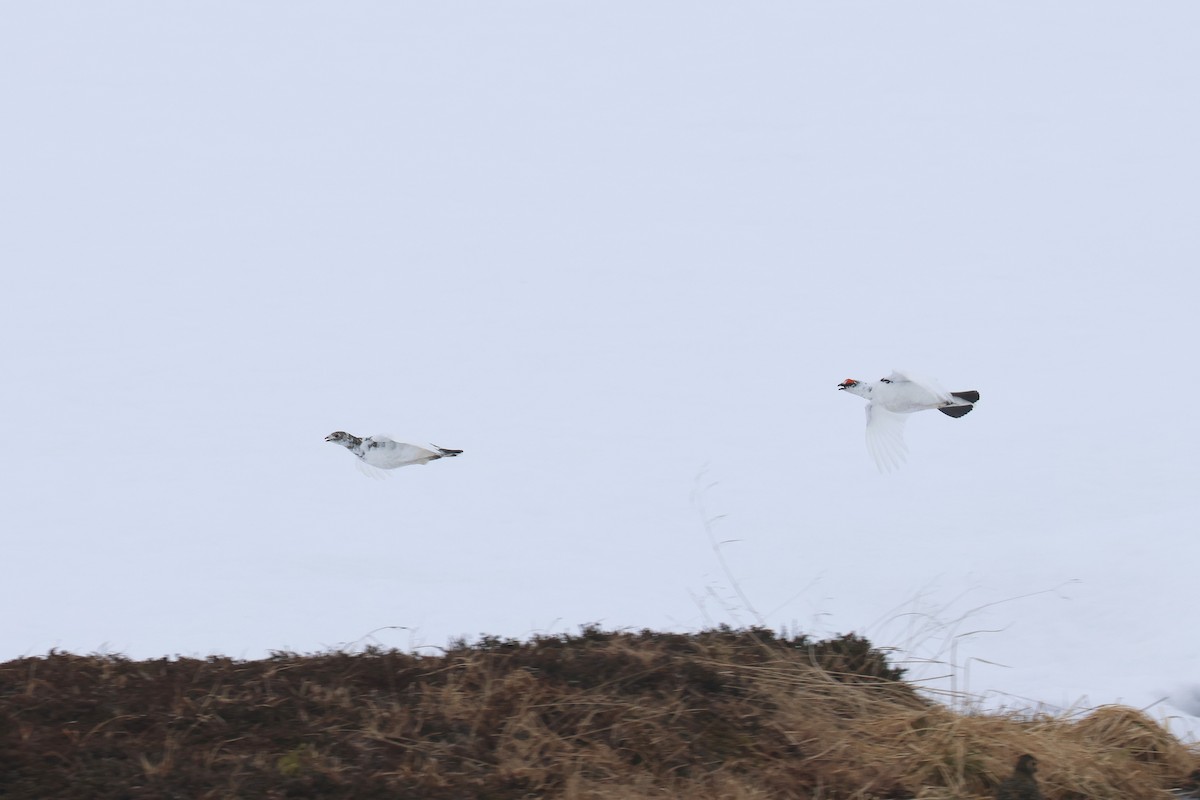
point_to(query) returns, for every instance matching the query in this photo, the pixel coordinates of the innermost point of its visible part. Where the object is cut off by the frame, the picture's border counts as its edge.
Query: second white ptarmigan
(893, 397)
(381, 452)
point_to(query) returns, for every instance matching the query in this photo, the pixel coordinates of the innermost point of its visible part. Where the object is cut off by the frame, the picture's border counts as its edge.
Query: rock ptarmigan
(1022, 784)
(893, 397)
(377, 453)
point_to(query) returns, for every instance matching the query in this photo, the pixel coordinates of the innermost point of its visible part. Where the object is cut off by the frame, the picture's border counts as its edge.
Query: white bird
(894, 396)
(382, 452)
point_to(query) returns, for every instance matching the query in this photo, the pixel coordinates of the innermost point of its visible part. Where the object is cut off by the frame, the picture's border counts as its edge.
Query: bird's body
(894, 396)
(1021, 785)
(382, 452)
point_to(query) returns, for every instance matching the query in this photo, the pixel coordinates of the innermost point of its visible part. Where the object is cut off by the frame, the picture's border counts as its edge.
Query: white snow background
(621, 253)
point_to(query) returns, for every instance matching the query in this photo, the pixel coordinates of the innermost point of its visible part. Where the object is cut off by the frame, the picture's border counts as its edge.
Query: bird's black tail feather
(961, 411)
(447, 453)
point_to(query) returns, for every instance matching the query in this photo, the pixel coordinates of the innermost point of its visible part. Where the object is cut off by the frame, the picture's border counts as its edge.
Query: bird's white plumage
(905, 392)
(375, 473)
(377, 453)
(890, 399)
(384, 452)
(885, 436)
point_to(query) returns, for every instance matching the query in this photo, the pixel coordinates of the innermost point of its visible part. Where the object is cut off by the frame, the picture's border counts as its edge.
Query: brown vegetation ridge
(729, 714)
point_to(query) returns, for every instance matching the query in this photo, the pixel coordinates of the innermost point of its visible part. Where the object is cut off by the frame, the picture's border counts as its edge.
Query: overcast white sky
(617, 252)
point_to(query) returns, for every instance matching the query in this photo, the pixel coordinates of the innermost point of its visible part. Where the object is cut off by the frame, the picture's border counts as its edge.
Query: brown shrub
(738, 715)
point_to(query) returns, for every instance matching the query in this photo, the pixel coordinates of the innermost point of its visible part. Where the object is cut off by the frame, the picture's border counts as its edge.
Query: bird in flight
(377, 453)
(893, 397)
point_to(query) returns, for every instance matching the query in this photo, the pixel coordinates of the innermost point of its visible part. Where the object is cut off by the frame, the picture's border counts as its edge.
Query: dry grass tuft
(736, 715)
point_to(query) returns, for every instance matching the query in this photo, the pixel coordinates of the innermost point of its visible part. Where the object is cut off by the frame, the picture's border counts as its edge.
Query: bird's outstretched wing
(369, 471)
(916, 378)
(387, 453)
(885, 437)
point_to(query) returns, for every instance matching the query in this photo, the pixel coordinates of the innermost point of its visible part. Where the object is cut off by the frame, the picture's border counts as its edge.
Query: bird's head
(342, 438)
(855, 387)
(1027, 764)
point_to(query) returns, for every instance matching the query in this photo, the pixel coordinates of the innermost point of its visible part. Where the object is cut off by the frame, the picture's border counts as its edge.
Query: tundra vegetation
(728, 714)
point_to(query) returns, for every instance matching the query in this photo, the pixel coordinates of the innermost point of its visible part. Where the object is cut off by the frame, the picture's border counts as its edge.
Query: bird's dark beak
(329, 438)
(840, 386)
